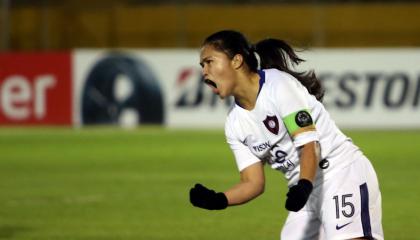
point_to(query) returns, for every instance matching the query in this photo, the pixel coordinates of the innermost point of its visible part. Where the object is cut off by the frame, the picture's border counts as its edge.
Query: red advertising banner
(35, 89)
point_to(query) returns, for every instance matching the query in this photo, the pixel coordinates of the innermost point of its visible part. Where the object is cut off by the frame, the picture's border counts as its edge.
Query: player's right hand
(203, 197)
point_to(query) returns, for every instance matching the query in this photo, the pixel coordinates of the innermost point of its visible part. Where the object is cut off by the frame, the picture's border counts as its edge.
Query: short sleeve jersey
(285, 117)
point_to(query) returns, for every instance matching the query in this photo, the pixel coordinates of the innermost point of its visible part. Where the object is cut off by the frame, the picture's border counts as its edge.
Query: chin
(221, 96)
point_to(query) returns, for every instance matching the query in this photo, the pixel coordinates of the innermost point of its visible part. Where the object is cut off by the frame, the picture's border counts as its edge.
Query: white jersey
(284, 118)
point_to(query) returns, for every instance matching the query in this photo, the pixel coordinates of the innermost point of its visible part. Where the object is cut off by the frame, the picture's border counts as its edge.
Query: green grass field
(106, 183)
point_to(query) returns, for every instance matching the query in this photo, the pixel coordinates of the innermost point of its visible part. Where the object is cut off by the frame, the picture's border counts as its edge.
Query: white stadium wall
(365, 88)
(370, 88)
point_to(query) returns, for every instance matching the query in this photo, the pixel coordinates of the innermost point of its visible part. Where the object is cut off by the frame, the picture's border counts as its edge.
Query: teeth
(210, 82)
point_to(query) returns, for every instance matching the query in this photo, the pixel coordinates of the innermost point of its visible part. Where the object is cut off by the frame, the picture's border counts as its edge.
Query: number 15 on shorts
(343, 206)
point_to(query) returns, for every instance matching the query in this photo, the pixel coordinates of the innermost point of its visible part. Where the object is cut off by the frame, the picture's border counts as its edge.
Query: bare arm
(309, 158)
(251, 185)
(298, 194)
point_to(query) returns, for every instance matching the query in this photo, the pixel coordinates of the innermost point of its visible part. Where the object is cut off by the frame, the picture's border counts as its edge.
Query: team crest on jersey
(272, 124)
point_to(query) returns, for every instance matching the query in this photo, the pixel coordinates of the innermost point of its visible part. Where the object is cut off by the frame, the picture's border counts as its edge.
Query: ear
(237, 61)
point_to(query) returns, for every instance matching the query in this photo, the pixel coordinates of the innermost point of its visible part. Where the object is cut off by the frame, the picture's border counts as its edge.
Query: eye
(208, 61)
(205, 62)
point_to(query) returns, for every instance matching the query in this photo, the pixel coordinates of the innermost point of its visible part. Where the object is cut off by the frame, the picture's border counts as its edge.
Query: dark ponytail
(278, 54)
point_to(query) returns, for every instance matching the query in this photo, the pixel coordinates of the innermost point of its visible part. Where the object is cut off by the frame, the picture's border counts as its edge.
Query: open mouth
(210, 83)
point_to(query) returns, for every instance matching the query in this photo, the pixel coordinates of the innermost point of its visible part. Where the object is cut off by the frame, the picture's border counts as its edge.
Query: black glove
(298, 195)
(202, 197)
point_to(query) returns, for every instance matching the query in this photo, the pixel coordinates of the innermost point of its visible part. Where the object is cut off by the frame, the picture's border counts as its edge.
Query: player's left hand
(298, 195)
(203, 197)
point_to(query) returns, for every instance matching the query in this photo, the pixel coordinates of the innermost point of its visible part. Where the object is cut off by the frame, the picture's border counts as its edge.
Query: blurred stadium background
(105, 123)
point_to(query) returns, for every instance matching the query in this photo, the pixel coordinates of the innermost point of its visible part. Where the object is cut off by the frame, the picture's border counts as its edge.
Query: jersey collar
(262, 80)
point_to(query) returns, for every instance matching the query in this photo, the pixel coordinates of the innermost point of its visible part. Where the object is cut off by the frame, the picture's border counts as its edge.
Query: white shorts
(345, 206)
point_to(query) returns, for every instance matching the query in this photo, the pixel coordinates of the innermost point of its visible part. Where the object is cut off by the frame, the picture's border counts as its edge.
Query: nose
(204, 71)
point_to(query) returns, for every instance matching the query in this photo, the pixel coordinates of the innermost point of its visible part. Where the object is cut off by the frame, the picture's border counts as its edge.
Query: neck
(246, 91)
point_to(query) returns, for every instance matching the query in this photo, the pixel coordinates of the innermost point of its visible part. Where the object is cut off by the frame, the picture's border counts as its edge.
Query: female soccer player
(278, 119)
